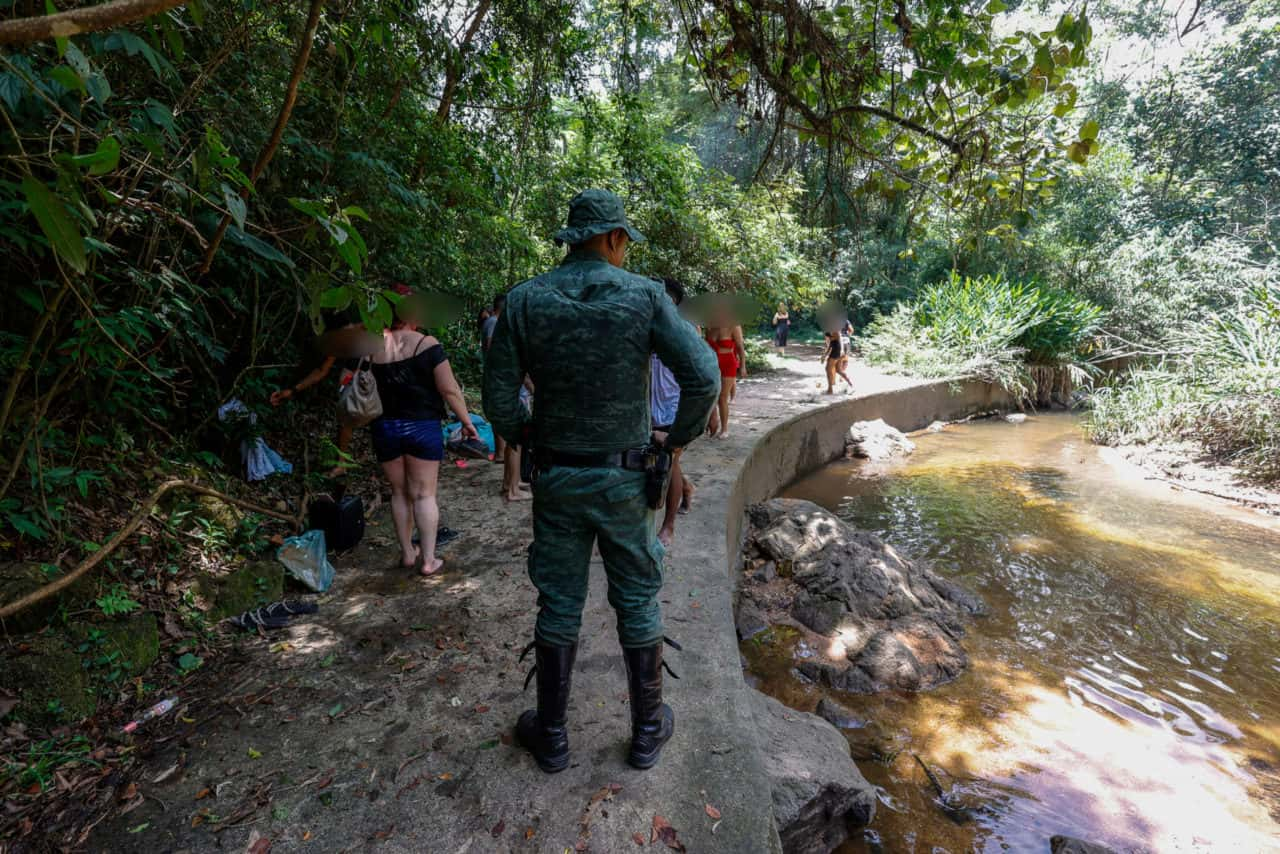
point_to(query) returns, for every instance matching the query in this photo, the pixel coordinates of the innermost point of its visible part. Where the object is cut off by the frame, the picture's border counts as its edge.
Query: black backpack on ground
(341, 519)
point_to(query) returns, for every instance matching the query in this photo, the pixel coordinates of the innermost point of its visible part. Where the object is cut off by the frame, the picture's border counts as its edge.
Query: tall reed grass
(1219, 386)
(989, 328)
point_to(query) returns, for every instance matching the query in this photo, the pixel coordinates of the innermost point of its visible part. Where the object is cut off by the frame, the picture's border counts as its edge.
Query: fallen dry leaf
(445, 776)
(203, 793)
(129, 792)
(480, 710)
(306, 836)
(258, 844)
(165, 774)
(497, 829)
(326, 780)
(581, 845)
(528, 832)
(637, 838)
(713, 812)
(666, 834)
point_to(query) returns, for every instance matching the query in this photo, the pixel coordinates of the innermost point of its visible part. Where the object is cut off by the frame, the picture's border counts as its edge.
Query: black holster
(528, 463)
(657, 474)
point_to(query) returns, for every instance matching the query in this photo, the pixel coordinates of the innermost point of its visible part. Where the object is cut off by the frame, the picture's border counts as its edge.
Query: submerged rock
(877, 441)
(837, 715)
(749, 620)
(818, 793)
(893, 624)
(1016, 417)
(1068, 845)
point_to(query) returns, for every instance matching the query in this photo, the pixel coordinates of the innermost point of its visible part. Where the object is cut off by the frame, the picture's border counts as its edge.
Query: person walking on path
(731, 355)
(583, 332)
(781, 328)
(835, 359)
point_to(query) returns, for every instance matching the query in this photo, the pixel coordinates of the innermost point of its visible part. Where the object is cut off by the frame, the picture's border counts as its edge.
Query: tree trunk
(453, 75)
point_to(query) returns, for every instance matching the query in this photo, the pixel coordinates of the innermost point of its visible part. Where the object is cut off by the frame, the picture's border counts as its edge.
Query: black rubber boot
(652, 720)
(542, 731)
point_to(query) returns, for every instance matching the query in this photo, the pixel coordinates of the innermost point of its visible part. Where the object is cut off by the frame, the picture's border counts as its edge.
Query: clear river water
(1125, 687)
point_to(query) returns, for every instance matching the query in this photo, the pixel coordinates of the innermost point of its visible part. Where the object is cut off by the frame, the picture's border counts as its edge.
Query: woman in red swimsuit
(732, 356)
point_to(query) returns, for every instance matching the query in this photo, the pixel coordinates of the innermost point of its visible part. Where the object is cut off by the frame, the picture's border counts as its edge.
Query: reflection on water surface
(1124, 689)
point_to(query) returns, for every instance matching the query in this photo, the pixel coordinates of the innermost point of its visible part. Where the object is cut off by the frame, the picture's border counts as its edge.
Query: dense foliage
(182, 196)
(986, 327)
(1219, 388)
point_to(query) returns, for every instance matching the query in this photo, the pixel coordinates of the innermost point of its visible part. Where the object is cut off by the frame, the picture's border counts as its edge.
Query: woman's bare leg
(421, 478)
(402, 510)
(727, 386)
(675, 491)
(511, 490)
(831, 376)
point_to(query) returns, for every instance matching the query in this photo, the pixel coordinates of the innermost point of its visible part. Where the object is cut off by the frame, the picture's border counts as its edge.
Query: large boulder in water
(818, 792)
(877, 441)
(1069, 845)
(891, 623)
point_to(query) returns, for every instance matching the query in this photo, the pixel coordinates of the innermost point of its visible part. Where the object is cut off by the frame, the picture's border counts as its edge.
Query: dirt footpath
(385, 721)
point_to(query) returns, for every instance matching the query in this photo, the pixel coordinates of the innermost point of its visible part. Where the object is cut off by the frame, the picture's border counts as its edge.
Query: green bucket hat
(593, 212)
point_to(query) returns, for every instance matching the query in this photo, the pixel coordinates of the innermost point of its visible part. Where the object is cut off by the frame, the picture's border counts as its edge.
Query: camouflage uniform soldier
(583, 332)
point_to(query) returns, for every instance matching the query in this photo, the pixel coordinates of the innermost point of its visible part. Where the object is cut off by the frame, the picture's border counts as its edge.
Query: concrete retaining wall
(813, 439)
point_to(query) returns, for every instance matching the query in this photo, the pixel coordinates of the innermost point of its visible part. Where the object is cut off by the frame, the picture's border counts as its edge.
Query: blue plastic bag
(307, 559)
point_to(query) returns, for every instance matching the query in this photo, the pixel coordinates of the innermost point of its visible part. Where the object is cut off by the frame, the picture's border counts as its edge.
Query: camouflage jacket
(583, 332)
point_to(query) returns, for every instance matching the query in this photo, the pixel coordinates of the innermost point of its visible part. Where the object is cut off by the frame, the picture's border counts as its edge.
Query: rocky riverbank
(879, 622)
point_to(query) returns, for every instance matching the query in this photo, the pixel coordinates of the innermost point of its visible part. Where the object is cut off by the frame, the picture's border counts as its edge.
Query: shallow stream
(1125, 687)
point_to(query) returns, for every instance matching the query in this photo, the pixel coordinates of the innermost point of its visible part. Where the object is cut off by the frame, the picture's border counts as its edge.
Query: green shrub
(984, 327)
(758, 352)
(1219, 387)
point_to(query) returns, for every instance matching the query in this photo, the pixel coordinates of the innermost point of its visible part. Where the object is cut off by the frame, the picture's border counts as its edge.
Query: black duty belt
(632, 459)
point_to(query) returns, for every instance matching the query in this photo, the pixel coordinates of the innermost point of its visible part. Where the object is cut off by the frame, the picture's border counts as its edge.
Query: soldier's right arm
(692, 363)
(503, 377)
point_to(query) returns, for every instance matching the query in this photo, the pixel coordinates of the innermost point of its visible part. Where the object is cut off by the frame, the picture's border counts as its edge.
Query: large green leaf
(105, 158)
(12, 88)
(56, 222)
(259, 247)
(235, 205)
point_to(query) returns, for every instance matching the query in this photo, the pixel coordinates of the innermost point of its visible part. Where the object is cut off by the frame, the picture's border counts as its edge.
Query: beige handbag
(358, 402)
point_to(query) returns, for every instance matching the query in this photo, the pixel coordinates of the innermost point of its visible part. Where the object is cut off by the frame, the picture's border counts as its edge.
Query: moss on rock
(253, 584)
(134, 641)
(50, 680)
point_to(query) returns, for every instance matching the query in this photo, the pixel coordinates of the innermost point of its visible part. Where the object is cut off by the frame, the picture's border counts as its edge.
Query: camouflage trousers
(573, 510)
